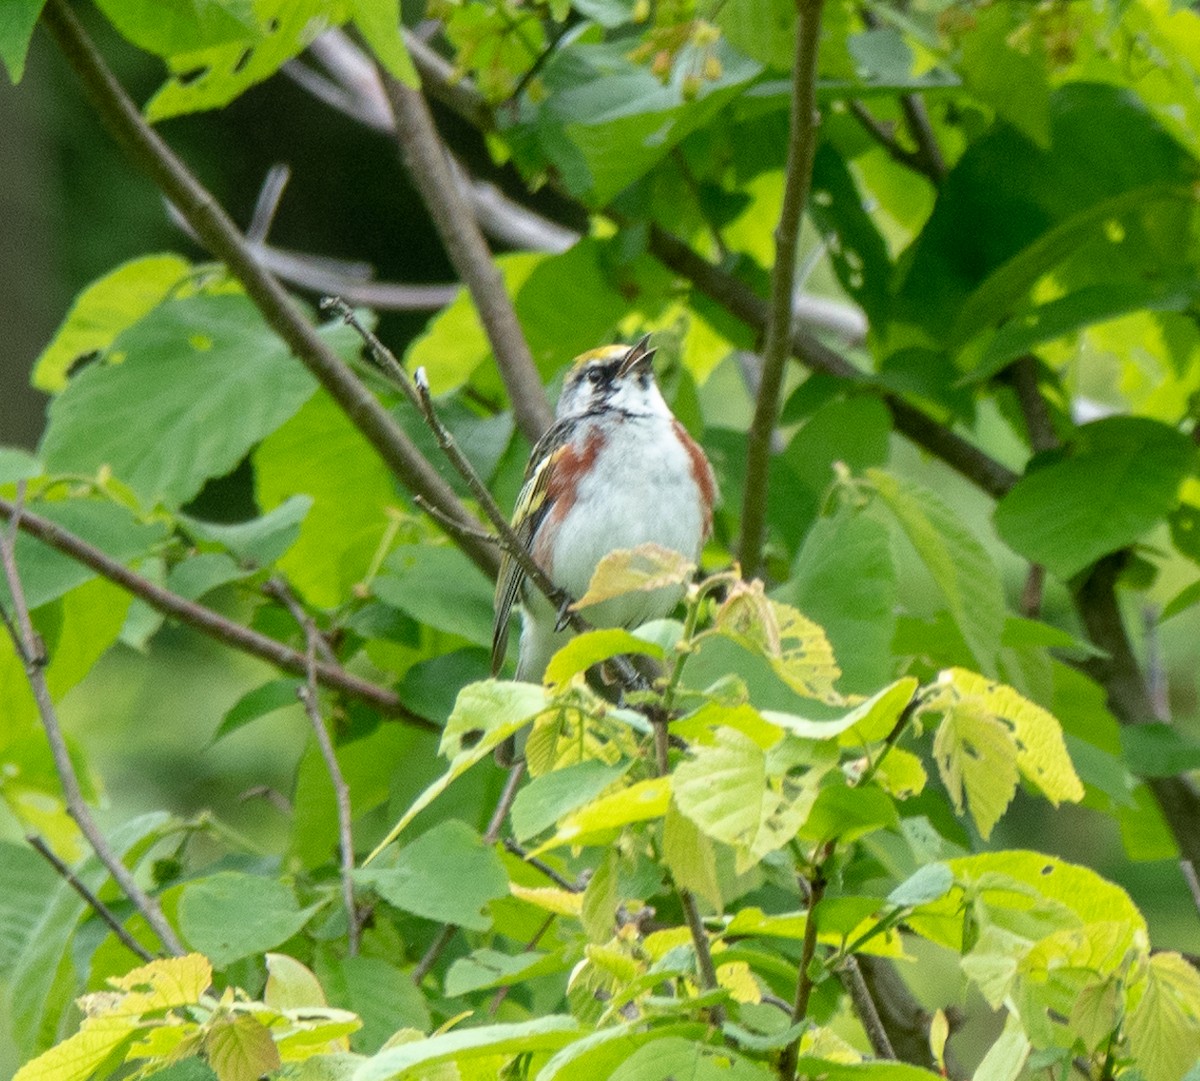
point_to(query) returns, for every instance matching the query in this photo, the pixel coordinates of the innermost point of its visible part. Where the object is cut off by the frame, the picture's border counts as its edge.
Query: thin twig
(147, 150)
(883, 134)
(30, 650)
(468, 251)
(802, 142)
(447, 523)
(1193, 882)
(541, 865)
(864, 1005)
(93, 902)
(211, 623)
(502, 992)
(431, 955)
(267, 204)
(804, 984)
(309, 696)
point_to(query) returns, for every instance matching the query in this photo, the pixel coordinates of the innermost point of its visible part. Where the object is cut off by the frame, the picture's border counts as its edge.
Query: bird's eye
(595, 376)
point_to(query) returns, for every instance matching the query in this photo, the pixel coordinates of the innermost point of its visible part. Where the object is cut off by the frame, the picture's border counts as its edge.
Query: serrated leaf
(795, 647)
(639, 802)
(976, 755)
(239, 1048)
(592, 647)
(159, 985)
(78, 1056)
(1163, 1025)
(1122, 481)
(643, 569)
(446, 874)
(724, 789)
(231, 915)
(485, 715)
(202, 381)
(959, 565)
(105, 309)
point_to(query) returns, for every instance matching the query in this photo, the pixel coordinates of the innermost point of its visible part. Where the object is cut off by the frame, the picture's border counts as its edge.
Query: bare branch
(90, 899)
(30, 650)
(885, 136)
(541, 865)
(212, 225)
(430, 170)
(267, 203)
(797, 177)
(804, 983)
(864, 1005)
(207, 621)
(309, 696)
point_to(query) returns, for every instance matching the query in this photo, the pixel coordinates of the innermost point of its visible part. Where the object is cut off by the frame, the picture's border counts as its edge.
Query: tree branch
(883, 134)
(150, 154)
(207, 621)
(310, 698)
(802, 142)
(29, 648)
(804, 984)
(429, 167)
(742, 302)
(864, 1005)
(90, 899)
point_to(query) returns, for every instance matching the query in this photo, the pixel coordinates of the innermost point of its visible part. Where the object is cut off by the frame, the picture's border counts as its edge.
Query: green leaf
(202, 381)
(592, 647)
(548, 798)
(105, 309)
(547, 1033)
(445, 875)
(865, 1071)
(166, 27)
(928, 883)
(259, 541)
(17, 20)
(959, 565)
(690, 857)
(673, 1058)
(639, 802)
(26, 881)
(201, 574)
(231, 915)
(485, 715)
(764, 30)
(290, 985)
(1158, 750)
(440, 588)
(16, 464)
(601, 1052)
(723, 788)
(845, 580)
(486, 968)
(1163, 1026)
(240, 1048)
(277, 694)
(1012, 82)
(46, 574)
(868, 722)
(975, 754)
(1123, 479)
(212, 76)
(383, 995)
(846, 814)
(320, 455)
(80, 1055)
(379, 23)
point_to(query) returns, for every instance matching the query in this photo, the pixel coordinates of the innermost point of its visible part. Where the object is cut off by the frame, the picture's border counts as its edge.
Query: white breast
(640, 491)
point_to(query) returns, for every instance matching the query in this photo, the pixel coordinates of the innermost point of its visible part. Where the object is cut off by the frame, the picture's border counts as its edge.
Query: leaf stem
(797, 178)
(804, 984)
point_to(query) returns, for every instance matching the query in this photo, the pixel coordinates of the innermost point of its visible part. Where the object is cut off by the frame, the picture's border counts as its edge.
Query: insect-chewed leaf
(1164, 1025)
(240, 1048)
(988, 733)
(794, 646)
(161, 984)
(635, 570)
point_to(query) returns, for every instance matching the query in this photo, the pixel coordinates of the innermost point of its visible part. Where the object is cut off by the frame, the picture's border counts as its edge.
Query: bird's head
(618, 377)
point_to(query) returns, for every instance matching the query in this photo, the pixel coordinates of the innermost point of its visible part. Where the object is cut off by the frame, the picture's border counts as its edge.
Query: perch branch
(797, 177)
(90, 899)
(864, 1005)
(429, 167)
(31, 652)
(151, 155)
(804, 983)
(207, 621)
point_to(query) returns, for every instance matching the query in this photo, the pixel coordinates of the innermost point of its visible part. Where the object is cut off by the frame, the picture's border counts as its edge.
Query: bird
(615, 470)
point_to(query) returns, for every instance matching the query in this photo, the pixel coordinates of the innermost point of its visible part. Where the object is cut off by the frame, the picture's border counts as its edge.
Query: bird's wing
(532, 507)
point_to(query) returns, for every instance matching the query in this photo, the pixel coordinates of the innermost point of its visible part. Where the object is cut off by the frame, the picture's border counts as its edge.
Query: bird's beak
(641, 355)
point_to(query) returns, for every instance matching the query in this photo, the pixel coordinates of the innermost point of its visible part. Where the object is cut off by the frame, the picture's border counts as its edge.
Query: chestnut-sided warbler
(615, 470)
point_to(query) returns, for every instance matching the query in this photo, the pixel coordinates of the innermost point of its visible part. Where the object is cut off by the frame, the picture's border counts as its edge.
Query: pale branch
(744, 304)
(90, 899)
(797, 177)
(417, 391)
(310, 698)
(30, 650)
(266, 206)
(208, 622)
(151, 155)
(864, 1006)
(429, 167)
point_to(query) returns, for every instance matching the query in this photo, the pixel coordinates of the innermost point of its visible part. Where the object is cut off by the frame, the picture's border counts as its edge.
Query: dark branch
(864, 1005)
(211, 623)
(150, 154)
